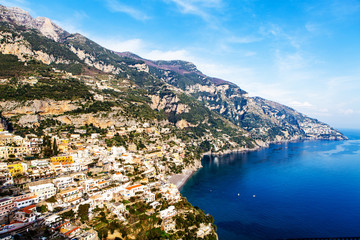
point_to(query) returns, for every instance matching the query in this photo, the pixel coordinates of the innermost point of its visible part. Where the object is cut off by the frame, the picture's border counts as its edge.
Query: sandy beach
(180, 179)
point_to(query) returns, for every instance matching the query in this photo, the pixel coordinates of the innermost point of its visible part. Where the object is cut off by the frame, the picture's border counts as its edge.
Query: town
(91, 183)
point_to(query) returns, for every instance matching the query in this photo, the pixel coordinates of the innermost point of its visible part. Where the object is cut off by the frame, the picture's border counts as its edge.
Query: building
(17, 168)
(24, 202)
(133, 190)
(4, 152)
(103, 184)
(118, 208)
(26, 214)
(6, 205)
(168, 225)
(168, 213)
(88, 235)
(63, 182)
(71, 194)
(62, 159)
(18, 151)
(43, 191)
(204, 230)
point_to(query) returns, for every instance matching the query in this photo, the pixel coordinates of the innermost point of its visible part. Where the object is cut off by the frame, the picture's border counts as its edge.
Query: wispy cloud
(342, 8)
(135, 45)
(73, 22)
(198, 7)
(116, 6)
(300, 104)
(278, 34)
(180, 54)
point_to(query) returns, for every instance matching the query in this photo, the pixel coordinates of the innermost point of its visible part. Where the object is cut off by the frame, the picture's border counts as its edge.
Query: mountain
(263, 119)
(51, 75)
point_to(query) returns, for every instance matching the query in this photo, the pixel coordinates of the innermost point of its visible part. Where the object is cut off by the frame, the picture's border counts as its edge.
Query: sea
(308, 189)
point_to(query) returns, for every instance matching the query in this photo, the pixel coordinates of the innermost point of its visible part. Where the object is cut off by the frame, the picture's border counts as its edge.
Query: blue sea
(295, 190)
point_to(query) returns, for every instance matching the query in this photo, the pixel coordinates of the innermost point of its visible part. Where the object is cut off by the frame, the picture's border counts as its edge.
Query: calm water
(306, 189)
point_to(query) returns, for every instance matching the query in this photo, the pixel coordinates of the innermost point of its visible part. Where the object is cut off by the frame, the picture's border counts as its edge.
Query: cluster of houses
(86, 171)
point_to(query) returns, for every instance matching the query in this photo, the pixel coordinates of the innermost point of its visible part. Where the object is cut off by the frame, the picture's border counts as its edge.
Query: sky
(301, 53)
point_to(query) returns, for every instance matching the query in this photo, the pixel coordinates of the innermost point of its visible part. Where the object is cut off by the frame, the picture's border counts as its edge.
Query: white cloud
(131, 45)
(143, 49)
(116, 6)
(181, 54)
(300, 104)
(73, 22)
(348, 111)
(311, 27)
(198, 7)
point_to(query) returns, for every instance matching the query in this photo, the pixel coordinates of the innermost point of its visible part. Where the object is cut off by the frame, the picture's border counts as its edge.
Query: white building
(24, 202)
(63, 182)
(119, 177)
(43, 191)
(167, 213)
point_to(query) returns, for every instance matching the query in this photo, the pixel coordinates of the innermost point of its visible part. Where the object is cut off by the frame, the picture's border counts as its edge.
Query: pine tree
(55, 148)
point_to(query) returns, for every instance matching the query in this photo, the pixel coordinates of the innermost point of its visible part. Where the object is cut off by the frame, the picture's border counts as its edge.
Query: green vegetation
(10, 66)
(64, 89)
(74, 68)
(83, 212)
(94, 107)
(42, 209)
(68, 215)
(41, 43)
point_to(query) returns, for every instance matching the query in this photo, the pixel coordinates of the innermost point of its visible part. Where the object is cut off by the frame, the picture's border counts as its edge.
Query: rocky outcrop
(168, 103)
(98, 121)
(20, 17)
(40, 107)
(18, 46)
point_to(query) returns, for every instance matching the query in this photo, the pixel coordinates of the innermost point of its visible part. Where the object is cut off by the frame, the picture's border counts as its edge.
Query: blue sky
(304, 53)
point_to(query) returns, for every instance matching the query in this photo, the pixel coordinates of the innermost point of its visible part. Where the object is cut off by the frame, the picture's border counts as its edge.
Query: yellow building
(15, 169)
(62, 159)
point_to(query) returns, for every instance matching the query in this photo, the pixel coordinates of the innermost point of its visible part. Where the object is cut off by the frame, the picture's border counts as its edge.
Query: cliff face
(108, 88)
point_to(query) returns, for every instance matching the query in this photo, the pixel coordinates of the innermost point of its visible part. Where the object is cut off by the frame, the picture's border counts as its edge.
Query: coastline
(181, 179)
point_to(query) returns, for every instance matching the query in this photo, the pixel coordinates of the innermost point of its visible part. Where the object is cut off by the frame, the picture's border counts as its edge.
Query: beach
(180, 179)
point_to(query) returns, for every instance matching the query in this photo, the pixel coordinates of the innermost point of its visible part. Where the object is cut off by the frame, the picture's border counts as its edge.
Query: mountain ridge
(169, 85)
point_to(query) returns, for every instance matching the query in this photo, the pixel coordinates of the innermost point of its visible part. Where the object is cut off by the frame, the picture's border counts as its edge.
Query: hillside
(48, 73)
(263, 119)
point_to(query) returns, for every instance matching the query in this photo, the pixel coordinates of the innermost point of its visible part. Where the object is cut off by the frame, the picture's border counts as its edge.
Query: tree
(51, 200)
(42, 208)
(83, 212)
(103, 233)
(55, 148)
(69, 214)
(154, 233)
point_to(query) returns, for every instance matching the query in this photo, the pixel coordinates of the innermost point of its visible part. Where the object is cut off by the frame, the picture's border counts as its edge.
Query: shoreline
(181, 179)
